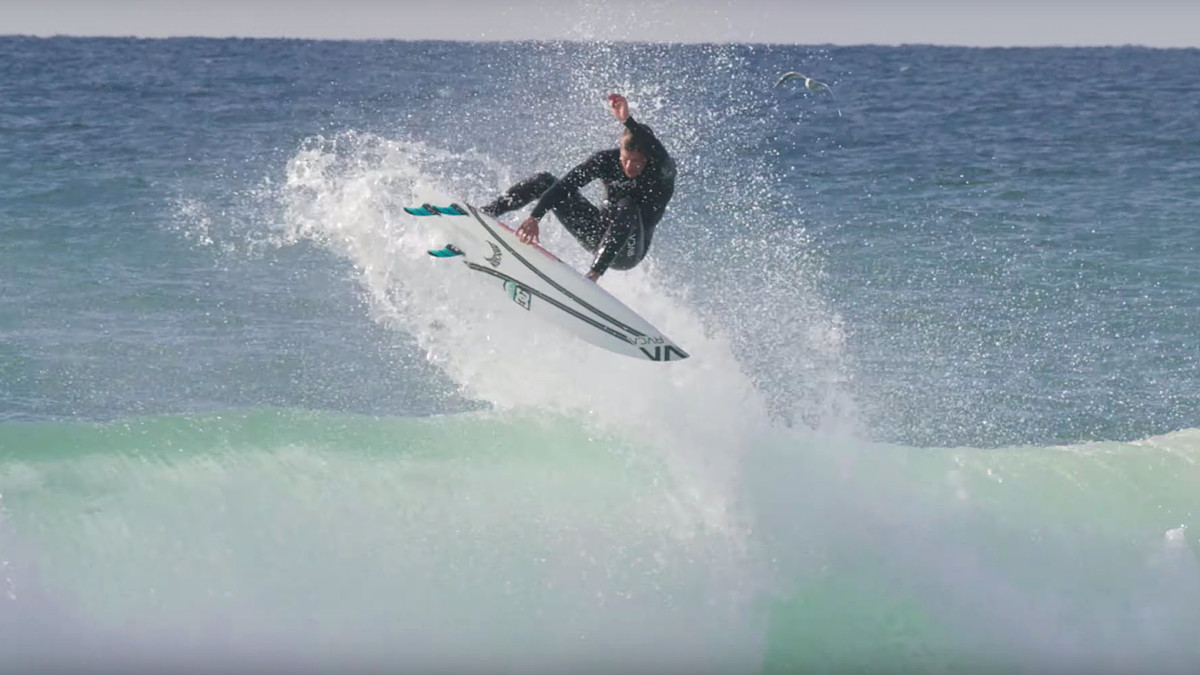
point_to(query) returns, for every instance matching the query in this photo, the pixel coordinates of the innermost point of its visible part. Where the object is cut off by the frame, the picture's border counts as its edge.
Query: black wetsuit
(619, 232)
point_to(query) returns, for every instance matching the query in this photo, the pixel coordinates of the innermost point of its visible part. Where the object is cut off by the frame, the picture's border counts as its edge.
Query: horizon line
(573, 40)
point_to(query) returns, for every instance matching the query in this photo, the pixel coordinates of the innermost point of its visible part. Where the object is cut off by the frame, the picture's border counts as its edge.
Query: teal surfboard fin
(431, 210)
(449, 251)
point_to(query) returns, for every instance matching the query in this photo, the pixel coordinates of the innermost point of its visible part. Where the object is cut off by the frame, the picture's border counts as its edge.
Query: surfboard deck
(546, 287)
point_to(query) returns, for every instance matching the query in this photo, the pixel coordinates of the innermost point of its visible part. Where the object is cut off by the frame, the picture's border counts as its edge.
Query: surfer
(638, 178)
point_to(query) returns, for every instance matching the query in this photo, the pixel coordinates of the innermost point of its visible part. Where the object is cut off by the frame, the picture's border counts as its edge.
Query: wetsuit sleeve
(588, 171)
(646, 139)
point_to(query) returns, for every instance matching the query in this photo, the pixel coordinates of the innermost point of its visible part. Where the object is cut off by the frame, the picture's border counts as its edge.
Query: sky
(1153, 23)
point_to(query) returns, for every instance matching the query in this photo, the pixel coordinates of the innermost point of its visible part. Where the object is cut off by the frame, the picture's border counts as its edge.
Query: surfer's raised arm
(639, 181)
(646, 139)
(643, 137)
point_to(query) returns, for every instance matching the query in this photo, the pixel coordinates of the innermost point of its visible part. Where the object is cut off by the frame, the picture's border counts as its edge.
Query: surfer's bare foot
(593, 276)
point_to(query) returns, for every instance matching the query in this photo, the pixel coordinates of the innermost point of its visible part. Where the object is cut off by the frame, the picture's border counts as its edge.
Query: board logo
(495, 259)
(661, 353)
(519, 295)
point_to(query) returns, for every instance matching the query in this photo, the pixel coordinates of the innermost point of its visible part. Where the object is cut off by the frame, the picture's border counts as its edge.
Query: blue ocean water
(942, 412)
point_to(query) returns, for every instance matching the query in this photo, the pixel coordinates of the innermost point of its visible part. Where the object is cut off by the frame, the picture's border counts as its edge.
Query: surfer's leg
(629, 255)
(581, 218)
(520, 194)
(623, 243)
(578, 216)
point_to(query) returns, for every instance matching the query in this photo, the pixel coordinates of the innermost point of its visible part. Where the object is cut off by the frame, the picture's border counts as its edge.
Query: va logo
(662, 353)
(495, 259)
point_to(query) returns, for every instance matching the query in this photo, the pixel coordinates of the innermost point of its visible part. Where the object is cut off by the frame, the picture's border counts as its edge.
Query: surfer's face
(632, 162)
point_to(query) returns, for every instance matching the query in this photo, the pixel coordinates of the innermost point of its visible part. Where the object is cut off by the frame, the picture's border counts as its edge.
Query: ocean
(942, 412)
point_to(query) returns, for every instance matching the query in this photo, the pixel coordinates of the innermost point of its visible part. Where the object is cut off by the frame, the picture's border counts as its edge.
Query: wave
(354, 540)
(323, 540)
(722, 515)
(1018, 559)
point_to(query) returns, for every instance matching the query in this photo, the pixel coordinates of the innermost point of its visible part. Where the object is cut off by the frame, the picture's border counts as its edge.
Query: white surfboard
(545, 286)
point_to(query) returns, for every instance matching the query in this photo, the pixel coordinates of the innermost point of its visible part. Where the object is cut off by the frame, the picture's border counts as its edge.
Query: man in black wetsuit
(639, 179)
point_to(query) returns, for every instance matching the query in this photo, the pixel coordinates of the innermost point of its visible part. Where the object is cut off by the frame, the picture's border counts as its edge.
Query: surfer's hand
(528, 231)
(620, 106)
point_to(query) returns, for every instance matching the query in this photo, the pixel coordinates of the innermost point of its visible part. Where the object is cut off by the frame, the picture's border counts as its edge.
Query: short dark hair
(628, 142)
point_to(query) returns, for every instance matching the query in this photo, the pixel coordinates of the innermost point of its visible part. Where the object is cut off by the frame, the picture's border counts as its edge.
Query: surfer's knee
(520, 194)
(533, 186)
(544, 180)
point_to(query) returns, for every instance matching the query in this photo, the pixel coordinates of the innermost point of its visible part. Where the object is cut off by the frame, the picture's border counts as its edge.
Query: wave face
(940, 414)
(304, 539)
(487, 541)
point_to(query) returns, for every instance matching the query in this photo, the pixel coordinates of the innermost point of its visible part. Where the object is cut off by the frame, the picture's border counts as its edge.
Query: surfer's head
(633, 157)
